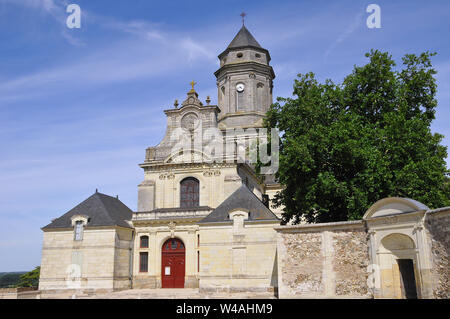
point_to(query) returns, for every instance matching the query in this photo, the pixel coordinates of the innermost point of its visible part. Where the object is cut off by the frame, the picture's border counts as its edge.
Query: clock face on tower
(240, 87)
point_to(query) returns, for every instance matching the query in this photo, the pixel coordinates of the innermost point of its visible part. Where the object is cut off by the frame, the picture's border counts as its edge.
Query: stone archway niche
(398, 266)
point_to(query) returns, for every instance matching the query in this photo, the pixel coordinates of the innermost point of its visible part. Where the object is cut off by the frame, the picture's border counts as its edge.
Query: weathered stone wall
(323, 260)
(301, 263)
(351, 258)
(437, 224)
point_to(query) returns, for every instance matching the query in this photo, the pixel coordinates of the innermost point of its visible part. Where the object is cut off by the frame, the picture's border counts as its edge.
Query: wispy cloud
(47, 5)
(139, 28)
(195, 50)
(358, 18)
(55, 10)
(106, 66)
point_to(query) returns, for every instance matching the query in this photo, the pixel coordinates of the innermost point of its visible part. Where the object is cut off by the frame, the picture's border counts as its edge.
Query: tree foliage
(9, 279)
(345, 146)
(30, 279)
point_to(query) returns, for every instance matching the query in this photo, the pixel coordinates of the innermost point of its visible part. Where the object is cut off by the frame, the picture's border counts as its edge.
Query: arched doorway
(173, 264)
(398, 269)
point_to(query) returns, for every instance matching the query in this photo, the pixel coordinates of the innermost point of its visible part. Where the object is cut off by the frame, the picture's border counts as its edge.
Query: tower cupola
(244, 82)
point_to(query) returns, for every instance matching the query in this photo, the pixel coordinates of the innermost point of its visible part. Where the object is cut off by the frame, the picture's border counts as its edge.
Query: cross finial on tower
(192, 84)
(243, 14)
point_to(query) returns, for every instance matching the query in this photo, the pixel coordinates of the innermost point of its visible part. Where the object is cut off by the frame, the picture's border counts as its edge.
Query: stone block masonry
(323, 261)
(362, 259)
(437, 226)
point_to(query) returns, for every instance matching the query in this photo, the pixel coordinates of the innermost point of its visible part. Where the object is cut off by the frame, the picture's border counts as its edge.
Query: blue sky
(78, 107)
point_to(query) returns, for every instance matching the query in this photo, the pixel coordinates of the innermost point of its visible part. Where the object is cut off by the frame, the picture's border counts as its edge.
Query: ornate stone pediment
(192, 99)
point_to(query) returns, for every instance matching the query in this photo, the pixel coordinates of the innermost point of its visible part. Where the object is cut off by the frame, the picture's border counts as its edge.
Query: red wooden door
(172, 264)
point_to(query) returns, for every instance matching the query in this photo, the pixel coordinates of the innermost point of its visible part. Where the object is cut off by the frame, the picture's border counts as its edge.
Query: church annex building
(206, 223)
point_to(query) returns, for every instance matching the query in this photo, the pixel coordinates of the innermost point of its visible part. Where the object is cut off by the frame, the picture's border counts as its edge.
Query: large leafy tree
(30, 279)
(345, 146)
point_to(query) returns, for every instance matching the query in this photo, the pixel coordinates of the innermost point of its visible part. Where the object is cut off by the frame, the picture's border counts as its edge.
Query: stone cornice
(237, 114)
(246, 47)
(322, 226)
(181, 221)
(204, 108)
(395, 219)
(86, 228)
(245, 66)
(160, 165)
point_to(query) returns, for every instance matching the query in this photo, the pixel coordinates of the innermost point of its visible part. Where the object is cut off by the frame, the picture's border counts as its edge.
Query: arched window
(173, 245)
(189, 192)
(144, 242)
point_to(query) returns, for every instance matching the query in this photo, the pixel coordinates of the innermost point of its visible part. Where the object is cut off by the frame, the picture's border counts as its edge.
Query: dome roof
(393, 206)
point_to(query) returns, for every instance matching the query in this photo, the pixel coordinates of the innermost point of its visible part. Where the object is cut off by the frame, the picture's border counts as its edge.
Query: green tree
(9, 280)
(345, 146)
(30, 279)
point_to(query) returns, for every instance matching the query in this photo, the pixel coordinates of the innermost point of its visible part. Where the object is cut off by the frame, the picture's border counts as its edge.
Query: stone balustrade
(176, 212)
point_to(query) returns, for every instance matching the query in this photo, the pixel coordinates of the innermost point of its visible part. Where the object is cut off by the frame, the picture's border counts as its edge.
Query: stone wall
(300, 261)
(238, 260)
(437, 224)
(103, 257)
(16, 293)
(350, 261)
(323, 260)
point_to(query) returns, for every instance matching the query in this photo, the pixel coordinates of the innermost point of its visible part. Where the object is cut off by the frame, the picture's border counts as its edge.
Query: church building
(203, 217)
(201, 221)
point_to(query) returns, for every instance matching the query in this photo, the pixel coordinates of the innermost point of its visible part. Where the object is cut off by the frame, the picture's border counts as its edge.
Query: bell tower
(244, 82)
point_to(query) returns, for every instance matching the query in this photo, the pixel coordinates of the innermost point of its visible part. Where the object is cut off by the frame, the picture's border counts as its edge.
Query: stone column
(374, 267)
(191, 280)
(423, 263)
(328, 275)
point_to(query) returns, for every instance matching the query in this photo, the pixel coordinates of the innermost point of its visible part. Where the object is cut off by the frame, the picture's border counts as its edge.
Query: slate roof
(242, 198)
(101, 209)
(243, 39)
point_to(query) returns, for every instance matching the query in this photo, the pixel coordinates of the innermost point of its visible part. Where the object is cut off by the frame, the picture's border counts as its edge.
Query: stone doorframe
(396, 231)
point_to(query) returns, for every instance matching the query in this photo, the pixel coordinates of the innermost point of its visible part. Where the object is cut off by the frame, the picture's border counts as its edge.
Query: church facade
(203, 217)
